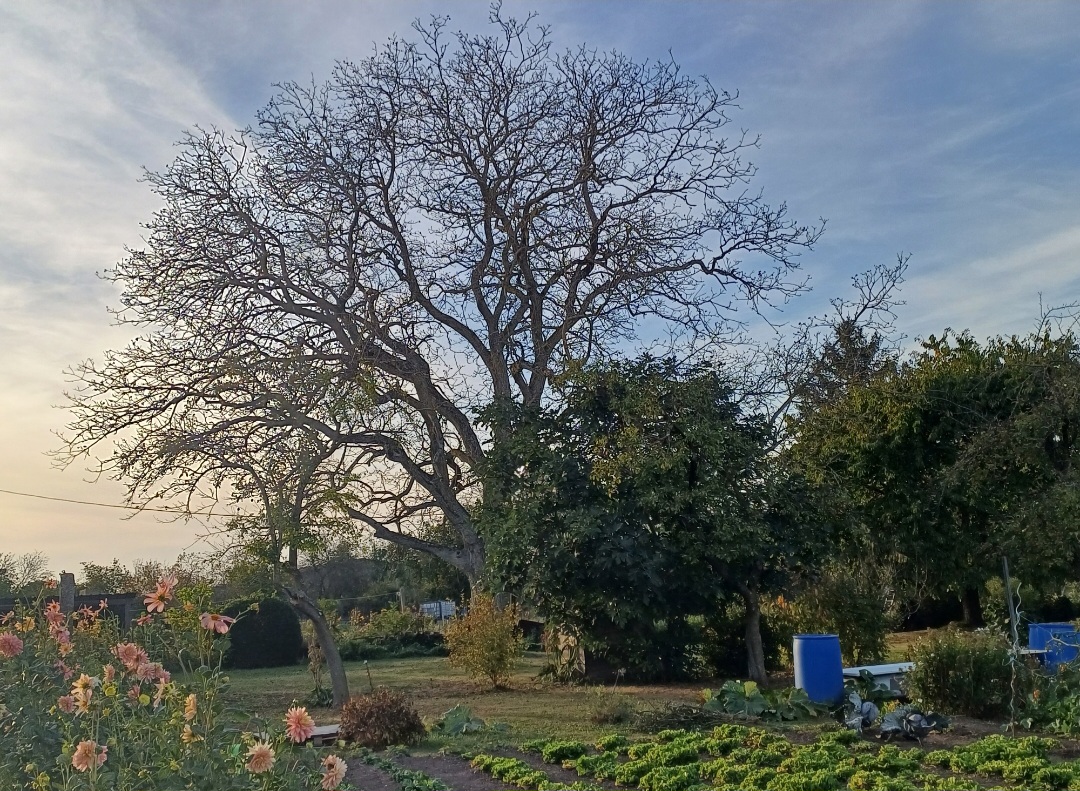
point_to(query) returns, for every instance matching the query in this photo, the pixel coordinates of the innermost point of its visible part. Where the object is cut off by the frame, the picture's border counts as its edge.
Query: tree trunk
(338, 682)
(755, 652)
(474, 566)
(969, 600)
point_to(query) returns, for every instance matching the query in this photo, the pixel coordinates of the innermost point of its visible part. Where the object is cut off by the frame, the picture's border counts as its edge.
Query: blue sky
(947, 130)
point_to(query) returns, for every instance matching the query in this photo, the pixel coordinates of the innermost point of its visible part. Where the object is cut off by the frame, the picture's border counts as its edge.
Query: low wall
(124, 607)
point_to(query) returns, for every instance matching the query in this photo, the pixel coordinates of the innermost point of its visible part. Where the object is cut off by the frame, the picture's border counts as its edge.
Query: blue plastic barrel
(1060, 640)
(818, 668)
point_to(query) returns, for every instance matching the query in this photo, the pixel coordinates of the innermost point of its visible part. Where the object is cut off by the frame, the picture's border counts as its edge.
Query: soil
(369, 778)
(454, 771)
(963, 730)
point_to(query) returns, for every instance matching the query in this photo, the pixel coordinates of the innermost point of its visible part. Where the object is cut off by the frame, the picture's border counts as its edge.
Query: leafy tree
(114, 578)
(244, 573)
(817, 358)
(961, 455)
(189, 570)
(648, 498)
(446, 223)
(296, 514)
(851, 357)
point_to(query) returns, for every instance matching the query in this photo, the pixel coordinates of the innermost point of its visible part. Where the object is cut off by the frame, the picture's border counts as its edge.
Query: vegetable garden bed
(741, 758)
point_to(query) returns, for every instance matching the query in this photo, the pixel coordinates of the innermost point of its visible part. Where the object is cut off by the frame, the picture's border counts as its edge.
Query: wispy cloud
(87, 99)
(942, 129)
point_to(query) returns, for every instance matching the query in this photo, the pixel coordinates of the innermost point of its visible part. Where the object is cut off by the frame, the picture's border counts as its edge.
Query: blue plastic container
(1060, 640)
(818, 668)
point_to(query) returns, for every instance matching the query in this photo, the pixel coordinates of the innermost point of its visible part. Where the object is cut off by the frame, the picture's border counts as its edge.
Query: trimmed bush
(380, 719)
(266, 634)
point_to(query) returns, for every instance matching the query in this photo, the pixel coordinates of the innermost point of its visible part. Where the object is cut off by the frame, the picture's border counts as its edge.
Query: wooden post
(1009, 602)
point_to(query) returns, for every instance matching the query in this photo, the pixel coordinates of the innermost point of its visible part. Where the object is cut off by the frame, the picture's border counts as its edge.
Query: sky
(947, 131)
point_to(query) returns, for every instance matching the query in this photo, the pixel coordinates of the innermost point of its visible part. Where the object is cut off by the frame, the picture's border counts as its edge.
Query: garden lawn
(898, 645)
(532, 708)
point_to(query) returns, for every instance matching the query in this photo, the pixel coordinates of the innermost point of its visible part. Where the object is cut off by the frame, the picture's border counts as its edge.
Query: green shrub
(391, 622)
(556, 752)
(1037, 607)
(608, 707)
(962, 673)
(266, 634)
(511, 771)
(661, 650)
(602, 766)
(844, 601)
(357, 648)
(380, 719)
(389, 634)
(613, 743)
(486, 642)
(1053, 701)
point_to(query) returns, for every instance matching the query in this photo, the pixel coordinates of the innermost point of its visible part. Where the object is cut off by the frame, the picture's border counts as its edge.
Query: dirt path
(453, 771)
(450, 769)
(368, 778)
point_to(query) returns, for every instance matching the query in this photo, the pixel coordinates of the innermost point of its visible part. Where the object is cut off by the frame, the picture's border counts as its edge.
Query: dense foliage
(647, 499)
(843, 599)
(390, 632)
(722, 641)
(962, 673)
(268, 634)
(956, 458)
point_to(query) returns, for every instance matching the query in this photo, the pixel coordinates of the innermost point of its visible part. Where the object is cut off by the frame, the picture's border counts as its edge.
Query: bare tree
(19, 571)
(445, 224)
(814, 360)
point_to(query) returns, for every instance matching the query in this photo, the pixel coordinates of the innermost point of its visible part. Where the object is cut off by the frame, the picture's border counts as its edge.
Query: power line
(107, 505)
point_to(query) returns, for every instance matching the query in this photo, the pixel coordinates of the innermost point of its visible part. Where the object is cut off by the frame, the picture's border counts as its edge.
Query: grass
(899, 644)
(531, 708)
